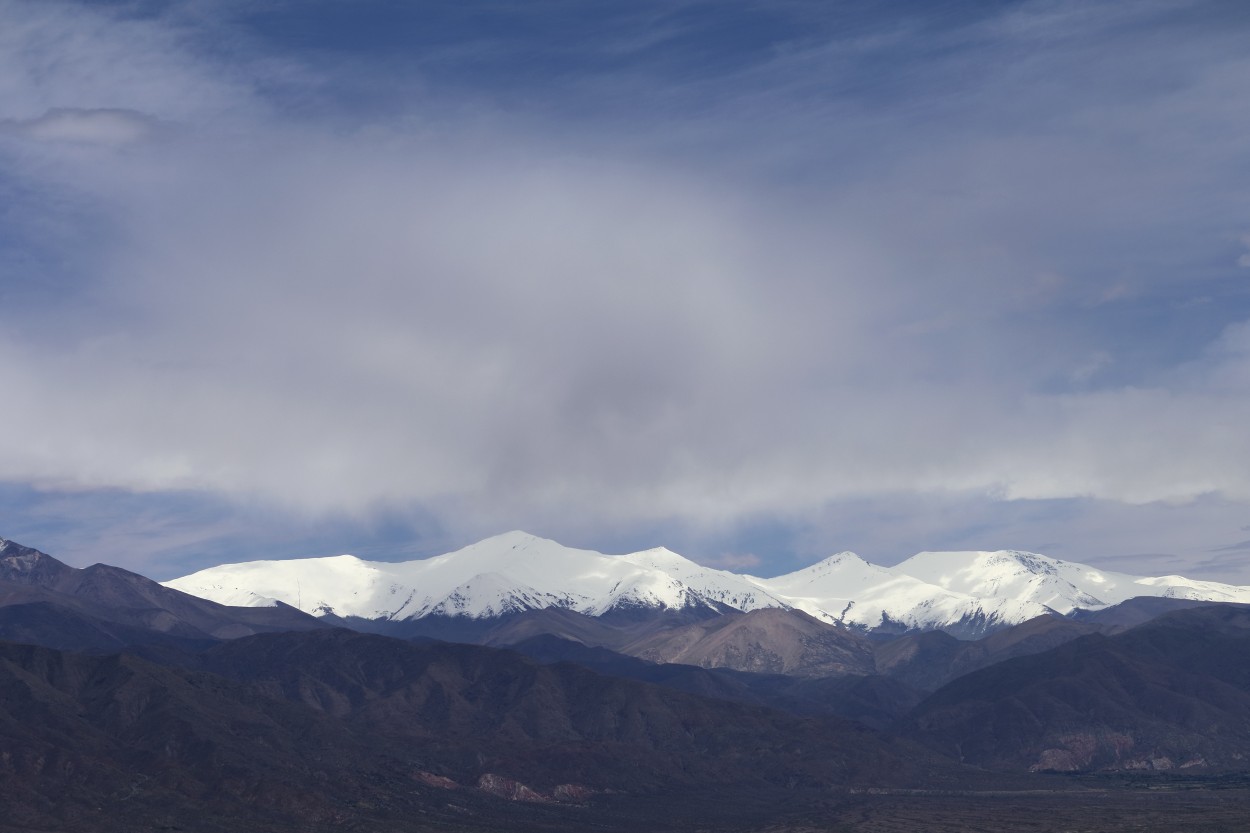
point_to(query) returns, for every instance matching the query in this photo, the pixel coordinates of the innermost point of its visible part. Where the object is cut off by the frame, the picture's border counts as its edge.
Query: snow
(506, 573)
(973, 591)
(844, 588)
(1060, 585)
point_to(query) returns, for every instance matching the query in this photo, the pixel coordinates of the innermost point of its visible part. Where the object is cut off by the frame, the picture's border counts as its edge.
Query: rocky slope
(763, 641)
(1172, 694)
(331, 730)
(106, 608)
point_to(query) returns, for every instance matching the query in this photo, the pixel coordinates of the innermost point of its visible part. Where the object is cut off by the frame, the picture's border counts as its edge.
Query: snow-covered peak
(1060, 585)
(487, 595)
(693, 584)
(510, 549)
(938, 563)
(838, 558)
(663, 558)
(964, 592)
(515, 541)
(1007, 574)
(503, 574)
(846, 589)
(841, 575)
(1179, 587)
(330, 584)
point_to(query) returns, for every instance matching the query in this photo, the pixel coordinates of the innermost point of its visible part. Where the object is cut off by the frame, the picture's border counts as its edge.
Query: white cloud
(500, 323)
(104, 127)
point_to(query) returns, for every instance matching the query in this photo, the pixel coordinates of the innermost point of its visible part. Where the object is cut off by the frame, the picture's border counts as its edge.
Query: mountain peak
(1011, 574)
(931, 562)
(663, 558)
(29, 566)
(841, 557)
(840, 562)
(968, 592)
(514, 538)
(13, 550)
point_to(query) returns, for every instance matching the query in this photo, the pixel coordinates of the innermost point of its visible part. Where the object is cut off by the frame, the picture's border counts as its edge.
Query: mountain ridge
(968, 594)
(108, 608)
(1169, 694)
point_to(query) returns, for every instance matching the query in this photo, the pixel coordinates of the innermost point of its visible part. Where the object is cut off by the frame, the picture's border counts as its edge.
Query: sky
(759, 282)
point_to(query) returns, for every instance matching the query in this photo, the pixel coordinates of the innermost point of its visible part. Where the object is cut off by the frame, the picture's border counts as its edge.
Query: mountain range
(127, 705)
(967, 594)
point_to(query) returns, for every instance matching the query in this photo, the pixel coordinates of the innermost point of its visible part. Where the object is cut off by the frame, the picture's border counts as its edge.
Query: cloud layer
(982, 258)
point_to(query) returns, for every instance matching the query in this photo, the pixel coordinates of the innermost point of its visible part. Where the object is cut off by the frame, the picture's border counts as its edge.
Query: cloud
(735, 561)
(101, 126)
(797, 293)
(1240, 546)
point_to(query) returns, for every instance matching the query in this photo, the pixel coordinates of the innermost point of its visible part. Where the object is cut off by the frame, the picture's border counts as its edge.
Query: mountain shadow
(1172, 694)
(102, 608)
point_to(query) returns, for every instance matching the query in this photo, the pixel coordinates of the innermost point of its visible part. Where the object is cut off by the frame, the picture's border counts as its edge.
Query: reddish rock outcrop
(508, 788)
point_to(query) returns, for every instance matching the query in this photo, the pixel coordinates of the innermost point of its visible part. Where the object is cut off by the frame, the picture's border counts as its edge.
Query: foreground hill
(550, 723)
(332, 730)
(318, 730)
(873, 700)
(118, 743)
(931, 659)
(1172, 694)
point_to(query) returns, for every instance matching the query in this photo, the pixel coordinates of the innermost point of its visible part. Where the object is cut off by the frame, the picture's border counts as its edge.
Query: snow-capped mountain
(1062, 586)
(505, 574)
(965, 593)
(848, 590)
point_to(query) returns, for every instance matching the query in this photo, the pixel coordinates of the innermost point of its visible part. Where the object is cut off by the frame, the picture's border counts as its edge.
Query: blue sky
(756, 281)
